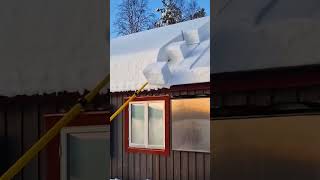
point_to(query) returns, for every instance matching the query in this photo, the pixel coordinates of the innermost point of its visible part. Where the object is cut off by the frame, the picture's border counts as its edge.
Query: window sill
(164, 152)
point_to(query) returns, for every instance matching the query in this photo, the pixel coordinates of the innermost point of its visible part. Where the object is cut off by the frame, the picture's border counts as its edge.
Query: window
(147, 125)
(85, 119)
(191, 124)
(85, 153)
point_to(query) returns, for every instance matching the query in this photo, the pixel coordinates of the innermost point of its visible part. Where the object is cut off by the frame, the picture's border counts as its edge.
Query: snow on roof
(184, 47)
(287, 35)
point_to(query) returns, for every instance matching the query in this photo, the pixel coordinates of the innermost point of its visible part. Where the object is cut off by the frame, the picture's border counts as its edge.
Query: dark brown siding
(22, 123)
(248, 148)
(3, 147)
(136, 166)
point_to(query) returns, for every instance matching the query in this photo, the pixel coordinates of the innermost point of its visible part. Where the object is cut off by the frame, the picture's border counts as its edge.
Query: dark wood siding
(3, 149)
(136, 166)
(22, 122)
(240, 158)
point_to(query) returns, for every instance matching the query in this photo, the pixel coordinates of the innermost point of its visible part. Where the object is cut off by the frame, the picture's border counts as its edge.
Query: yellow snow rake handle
(44, 140)
(127, 102)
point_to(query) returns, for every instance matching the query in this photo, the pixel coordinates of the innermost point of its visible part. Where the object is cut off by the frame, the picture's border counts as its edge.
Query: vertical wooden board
(46, 107)
(176, 165)
(207, 92)
(183, 93)
(114, 150)
(3, 150)
(14, 134)
(143, 165)
(149, 166)
(260, 98)
(216, 101)
(184, 166)
(212, 149)
(170, 166)
(285, 96)
(114, 140)
(137, 166)
(192, 165)
(119, 142)
(30, 136)
(175, 93)
(163, 168)
(310, 94)
(200, 166)
(131, 166)
(191, 92)
(125, 170)
(207, 166)
(156, 167)
(2, 122)
(235, 100)
(199, 92)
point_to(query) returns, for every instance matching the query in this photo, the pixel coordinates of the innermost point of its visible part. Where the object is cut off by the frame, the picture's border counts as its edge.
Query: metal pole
(127, 102)
(46, 138)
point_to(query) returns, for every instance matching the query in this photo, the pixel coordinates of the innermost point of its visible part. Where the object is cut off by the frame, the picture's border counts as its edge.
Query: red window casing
(164, 151)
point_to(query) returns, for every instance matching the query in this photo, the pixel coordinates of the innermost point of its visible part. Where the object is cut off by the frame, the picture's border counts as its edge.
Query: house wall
(265, 148)
(178, 165)
(22, 122)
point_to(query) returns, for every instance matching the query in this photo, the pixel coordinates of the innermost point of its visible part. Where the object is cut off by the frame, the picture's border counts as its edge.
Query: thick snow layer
(177, 51)
(44, 48)
(157, 73)
(287, 36)
(161, 56)
(191, 36)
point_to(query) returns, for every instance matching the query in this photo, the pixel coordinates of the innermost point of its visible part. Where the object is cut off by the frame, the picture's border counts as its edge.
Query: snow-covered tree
(194, 11)
(175, 11)
(182, 5)
(170, 13)
(133, 16)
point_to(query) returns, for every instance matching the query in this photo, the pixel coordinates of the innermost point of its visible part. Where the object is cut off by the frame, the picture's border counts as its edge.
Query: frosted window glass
(137, 123)
(191, 124)
(156, 127)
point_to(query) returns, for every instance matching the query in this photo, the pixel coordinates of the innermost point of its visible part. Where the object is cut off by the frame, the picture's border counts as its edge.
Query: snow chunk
(197, 35)
(192, 36)
(157, 73)
(177, 51)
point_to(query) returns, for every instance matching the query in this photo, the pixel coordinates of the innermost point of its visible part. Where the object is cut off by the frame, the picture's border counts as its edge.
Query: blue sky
(153, 4)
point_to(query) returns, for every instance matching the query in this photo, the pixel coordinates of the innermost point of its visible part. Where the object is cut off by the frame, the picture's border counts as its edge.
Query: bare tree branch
(133, 16)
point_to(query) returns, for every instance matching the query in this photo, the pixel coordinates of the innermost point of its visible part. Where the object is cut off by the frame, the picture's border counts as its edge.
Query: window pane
(87, 157)
(156, 128)
(191, 124)
(137, 123)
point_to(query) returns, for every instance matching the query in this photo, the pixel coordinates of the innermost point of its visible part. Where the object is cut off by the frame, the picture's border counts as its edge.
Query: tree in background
(170, 13)
(193, 10)
(133, 16)
(175, 11)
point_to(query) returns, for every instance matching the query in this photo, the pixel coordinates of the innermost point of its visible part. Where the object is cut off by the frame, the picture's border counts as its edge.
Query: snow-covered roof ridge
(181, 51)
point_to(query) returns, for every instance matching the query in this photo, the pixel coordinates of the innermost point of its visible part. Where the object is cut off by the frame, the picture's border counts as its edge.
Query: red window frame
(166, 149)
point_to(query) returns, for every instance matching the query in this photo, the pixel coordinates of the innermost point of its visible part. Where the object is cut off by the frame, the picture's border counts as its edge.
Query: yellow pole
(45, 139)
(127, 102)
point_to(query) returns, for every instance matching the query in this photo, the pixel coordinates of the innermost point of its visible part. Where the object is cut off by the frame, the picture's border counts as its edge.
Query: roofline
(275, 78)
(183, 87)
